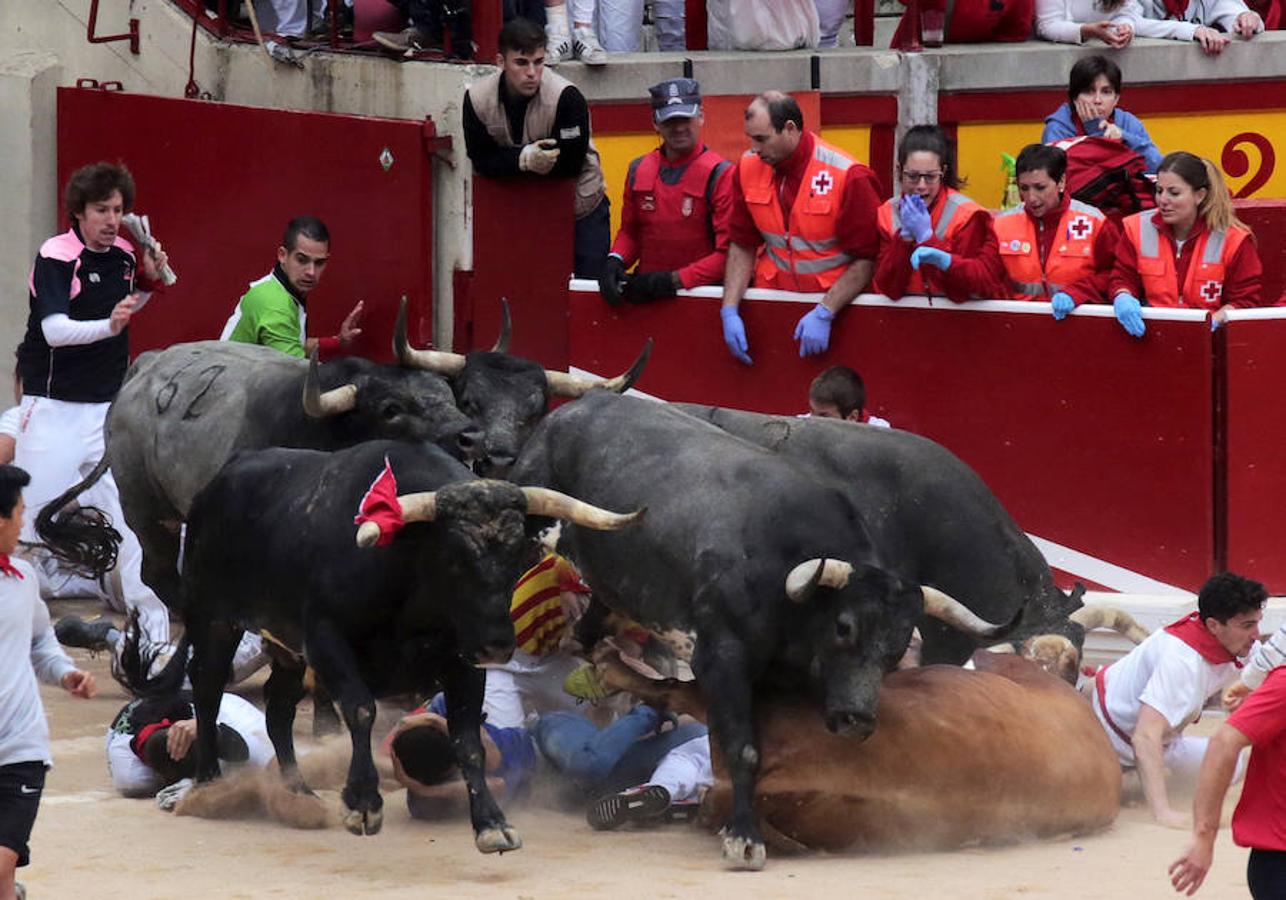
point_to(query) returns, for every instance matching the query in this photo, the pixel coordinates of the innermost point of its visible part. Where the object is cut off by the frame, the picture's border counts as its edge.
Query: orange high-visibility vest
(804, 253)
(952, 214)
(1203, 286)
(1071, 256)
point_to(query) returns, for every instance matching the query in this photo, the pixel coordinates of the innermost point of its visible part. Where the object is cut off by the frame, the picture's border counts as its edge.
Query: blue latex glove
(930, 256)
(916, 221)
(1128, 314)
(1214, 324)
(814, 331)
(1063, 304)
(734, 334)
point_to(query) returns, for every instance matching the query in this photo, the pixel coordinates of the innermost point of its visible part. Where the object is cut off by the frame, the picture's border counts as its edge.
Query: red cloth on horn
(7, 567)
(1193, 632)
(144, 733)
(380, 506)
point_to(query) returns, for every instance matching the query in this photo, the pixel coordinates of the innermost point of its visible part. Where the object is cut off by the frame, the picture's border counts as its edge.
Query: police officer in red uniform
(674, 213)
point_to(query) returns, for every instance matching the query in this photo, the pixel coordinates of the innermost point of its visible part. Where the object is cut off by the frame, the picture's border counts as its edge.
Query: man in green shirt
(273, 313)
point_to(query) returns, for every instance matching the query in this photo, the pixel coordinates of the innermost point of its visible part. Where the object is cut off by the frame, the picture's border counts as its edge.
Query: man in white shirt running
(28, 650)
(1146, 699)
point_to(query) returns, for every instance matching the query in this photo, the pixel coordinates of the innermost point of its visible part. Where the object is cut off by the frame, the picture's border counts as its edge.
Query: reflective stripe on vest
(1214, 247)
(810, 266)
(953, 202)
(831, 158)
(799, 243)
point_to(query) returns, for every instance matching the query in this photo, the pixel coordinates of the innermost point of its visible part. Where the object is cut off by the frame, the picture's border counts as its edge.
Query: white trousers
(620, 24)
(685, 770)
(527, 686)
(58, 444)
(830, 18)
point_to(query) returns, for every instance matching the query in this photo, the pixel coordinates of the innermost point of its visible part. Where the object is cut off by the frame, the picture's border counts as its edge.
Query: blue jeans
(592, 241)
(619, 756)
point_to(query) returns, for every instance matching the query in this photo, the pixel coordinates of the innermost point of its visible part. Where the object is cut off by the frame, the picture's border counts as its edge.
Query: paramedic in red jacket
(812, 207)
(1191, 251)
(933, 239)
(1054, 248)
(674, 214)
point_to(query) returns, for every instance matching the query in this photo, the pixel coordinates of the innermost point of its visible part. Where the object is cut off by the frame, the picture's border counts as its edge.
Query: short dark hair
(310, 227)
(1228, 594)
(12, 481)
(930, 139)
(96, 182)
(425, 753)
(1042, 158)
(1086, 70)
(782, 108)
(841, 387)
(522, 36)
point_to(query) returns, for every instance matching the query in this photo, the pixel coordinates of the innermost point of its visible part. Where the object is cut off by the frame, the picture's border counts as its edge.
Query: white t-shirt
(10, 420)
(1167, 675)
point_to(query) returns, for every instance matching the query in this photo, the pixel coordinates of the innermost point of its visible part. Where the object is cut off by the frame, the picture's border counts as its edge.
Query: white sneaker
(559, 48)
(587, 48)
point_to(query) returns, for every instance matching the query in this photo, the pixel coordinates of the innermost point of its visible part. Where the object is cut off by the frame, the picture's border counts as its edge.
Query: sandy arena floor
(90, 843)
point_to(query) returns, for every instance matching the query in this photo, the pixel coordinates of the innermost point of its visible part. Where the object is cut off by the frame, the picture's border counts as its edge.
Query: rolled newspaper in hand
(141, 228)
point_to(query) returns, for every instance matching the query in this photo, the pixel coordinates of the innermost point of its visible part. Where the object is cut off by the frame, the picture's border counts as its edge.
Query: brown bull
(960, 757)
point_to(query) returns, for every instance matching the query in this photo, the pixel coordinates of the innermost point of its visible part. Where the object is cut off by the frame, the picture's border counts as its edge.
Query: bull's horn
(368, 533)
(956, 614)
(808, 575)
(564, 385)
(506, 328)
(557, 505)
(317, 404)
(439, 361)
(419, 507)
(1091, 617)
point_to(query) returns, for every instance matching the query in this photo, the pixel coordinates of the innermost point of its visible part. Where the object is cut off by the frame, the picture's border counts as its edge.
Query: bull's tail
(132, 666)
(80, 537)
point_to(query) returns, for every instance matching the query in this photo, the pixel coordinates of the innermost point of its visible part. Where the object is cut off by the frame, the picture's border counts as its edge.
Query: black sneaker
(73, 631)
(647, 801)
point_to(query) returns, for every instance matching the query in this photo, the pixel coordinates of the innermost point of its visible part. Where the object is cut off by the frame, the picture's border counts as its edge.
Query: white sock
(556, 24)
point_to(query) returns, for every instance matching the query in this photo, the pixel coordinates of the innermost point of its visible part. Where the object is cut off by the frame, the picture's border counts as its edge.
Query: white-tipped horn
(506, 328)
(557, 505)
(956, 614)
(1091, 617)
(419, 507)
(368, 533)
(564, 385)
(808, 575)
(317, 403)
(439, 361)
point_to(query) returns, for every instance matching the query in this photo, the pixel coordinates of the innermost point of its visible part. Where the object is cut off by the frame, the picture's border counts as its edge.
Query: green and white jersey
(268, 314)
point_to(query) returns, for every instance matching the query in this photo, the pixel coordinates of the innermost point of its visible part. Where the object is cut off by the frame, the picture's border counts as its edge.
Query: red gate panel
(1255, 370)
(1090, 438)
(221, 181)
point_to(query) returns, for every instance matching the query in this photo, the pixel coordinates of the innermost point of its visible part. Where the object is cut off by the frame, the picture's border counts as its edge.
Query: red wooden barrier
(1253, 471)
(220, 182)
(1093, 440)
(1268, 220)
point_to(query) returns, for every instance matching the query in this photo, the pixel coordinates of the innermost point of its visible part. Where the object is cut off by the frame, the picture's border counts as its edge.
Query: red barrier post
(864, 22)
(488, 16)
(694, 25)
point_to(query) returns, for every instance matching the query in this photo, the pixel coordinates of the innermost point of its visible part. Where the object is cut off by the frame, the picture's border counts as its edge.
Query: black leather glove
(650, 286)
(613, 280)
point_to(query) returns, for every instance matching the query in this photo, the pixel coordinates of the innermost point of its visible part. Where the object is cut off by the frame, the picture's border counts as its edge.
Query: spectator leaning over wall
(812, 207)
(1054, 248)
(1208, 22)
(524, 119)
(1076, 21)
(1190, 251)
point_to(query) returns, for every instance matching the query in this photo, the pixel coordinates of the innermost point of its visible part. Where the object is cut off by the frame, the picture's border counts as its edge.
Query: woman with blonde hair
(1191, 251)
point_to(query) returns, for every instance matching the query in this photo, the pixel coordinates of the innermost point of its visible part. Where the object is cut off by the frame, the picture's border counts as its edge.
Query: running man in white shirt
(1146, 699)
(28, 650)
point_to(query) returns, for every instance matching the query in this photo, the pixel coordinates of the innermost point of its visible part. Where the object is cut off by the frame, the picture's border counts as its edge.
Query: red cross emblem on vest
(1211, 291)
(1080, 227)
(822, 183)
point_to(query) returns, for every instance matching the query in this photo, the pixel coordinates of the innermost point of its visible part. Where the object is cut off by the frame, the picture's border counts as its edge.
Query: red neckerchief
(146, 732)
(1193, 632)
(8, 568)
(380, 506)
(1176, 9)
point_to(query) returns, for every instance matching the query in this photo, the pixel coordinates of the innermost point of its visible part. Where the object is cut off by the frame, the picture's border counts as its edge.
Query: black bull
(934, 520)
(733, 548)
(271, 546)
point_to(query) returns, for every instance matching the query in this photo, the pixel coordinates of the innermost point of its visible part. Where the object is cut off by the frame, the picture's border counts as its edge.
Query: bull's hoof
(361, 822)
(743, 853)
(500, 839)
